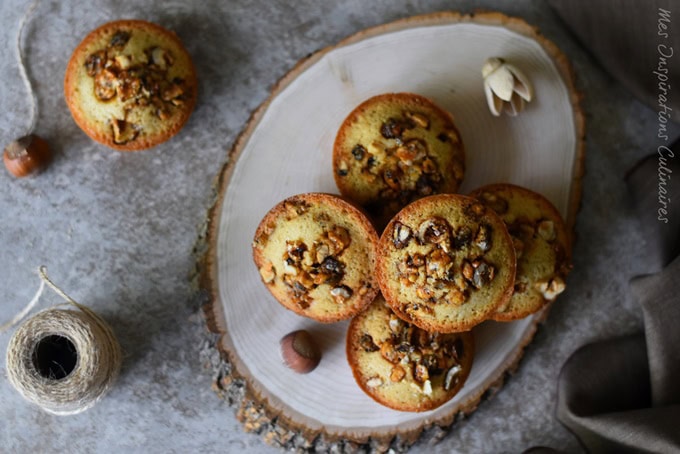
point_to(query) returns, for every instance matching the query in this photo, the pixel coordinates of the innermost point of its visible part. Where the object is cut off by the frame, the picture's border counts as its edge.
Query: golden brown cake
(395, 148)
(402, 366)
(316, 254)
(130, 85)
(446, 263)
(541, 244)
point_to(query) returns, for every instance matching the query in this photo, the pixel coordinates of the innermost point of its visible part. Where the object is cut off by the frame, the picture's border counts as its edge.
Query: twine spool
(63, 360)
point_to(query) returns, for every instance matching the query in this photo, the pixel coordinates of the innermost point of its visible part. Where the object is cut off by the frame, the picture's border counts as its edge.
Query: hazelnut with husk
(505, 86)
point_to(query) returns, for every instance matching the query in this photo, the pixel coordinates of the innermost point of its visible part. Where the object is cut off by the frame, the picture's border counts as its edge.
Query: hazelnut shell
(26, 156)
(299, 352)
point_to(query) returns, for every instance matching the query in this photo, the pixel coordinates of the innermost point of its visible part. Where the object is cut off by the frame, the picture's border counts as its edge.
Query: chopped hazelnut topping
(366, 342)
(546, 230)
(374, 382)
(419, 119)
(552, 288)
(268, 272)
(139, 81)
(398, 373)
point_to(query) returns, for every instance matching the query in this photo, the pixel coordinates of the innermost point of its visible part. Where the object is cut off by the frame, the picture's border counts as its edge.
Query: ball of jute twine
(91, 342)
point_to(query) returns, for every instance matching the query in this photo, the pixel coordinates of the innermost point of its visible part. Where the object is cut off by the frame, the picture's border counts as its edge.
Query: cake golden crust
(316, 254)
(395, 148)
(130, 85)
(403, 367)
(446, 263)
(541, 245)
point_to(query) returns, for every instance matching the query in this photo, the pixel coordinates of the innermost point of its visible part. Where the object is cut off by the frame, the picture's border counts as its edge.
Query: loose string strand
(17, 318)
(22, 67)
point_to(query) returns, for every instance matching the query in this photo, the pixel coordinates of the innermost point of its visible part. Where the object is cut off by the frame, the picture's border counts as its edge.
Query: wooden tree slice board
(286, 149)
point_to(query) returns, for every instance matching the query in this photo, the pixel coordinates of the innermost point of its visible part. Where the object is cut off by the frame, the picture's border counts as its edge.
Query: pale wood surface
(286, 149)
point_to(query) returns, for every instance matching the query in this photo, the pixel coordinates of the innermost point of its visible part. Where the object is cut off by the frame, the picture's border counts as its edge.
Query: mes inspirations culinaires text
(665, 53)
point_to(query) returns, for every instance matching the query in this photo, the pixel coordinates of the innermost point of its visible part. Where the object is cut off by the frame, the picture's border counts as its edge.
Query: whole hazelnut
(299, 352)
(26, 155)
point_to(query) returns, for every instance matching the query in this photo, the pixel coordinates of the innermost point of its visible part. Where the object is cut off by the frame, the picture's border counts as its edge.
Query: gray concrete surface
(116, 230)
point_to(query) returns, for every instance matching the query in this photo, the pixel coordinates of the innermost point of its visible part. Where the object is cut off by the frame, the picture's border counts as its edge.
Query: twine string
(97, 351)
(17, 318)
(22, 67)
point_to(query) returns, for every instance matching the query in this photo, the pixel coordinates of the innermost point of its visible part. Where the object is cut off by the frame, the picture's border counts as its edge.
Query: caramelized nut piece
(374, 382)
(105, 85)
(341, 293)
(552, 288)
(160, 58)
(467, 270)
(119, 39)
(434, 230)
(393, 129)
(496, 203)
(546, 229)
(400, 235)
(423, 293)
(451, 375)
(477, 209)
(420, 373)
(123, 131)
(95, 63)
(483, 238)
(322, 251)
(483, 275)
(389, 353)
(268, 272)
(398, 373)
(419, 119)
(455, 297)
(340, 238)
(396, 324)
(172, 92)
(123, 61)
(366, 342)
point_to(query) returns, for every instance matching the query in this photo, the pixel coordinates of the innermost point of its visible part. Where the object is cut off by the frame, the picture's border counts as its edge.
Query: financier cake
(130, 85)
(316, 254)
(446, 263)
(541, 242)
(395, 148)
(402, 366)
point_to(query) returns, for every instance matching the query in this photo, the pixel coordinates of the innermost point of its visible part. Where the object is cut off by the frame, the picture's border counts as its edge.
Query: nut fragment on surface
(505, 86)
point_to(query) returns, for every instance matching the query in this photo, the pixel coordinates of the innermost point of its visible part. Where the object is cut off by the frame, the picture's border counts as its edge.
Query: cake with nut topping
(402, 366)
(446, 263)
(541, 243)
(130, 85)
(395, 148)
(316, 254)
